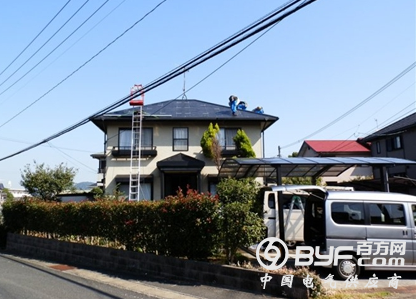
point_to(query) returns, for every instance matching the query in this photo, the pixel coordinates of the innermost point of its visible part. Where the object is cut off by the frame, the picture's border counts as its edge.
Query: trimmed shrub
(182, 225)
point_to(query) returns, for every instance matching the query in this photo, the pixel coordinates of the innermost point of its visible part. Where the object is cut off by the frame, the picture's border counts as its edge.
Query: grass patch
(349, 294)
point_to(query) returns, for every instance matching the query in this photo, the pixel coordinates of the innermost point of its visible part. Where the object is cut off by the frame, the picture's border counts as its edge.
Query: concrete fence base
(153, 265)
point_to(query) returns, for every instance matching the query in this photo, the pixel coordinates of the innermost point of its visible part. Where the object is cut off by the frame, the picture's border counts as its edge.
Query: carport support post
(280, 204)
(384, 178)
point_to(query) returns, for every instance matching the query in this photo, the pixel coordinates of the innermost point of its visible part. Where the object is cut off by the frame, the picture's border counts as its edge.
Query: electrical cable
(36, 36)
(70, 157)
(73, 44)
(209, 75)
(178, 70)
(388, 121)
(174, 73)
(63, 148)
(80, 67)
(374, 113)
(73, 15)
(384, 87)
(60, 44)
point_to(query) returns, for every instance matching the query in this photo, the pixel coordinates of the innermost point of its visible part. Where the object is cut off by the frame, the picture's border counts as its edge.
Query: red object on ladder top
(135, 101)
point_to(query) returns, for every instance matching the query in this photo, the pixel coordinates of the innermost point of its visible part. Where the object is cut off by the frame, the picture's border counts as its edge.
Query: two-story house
(397, 140)
(171, 155)
(338, 148)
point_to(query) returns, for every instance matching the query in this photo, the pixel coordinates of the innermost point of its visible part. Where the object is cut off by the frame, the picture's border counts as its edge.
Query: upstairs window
(180, 139)
(378, 147)
(225, 138)
(394, 143)
(124, 139)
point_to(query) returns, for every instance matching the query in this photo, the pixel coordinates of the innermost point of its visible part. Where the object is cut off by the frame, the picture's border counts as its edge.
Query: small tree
(9, 195)
(243, 145)
(211, 145)
(216, 150)
(206, 141)
(241, 225)
(47, 183)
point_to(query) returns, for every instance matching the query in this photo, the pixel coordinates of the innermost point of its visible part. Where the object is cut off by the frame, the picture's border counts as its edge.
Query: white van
(293, 212)
(378, 228)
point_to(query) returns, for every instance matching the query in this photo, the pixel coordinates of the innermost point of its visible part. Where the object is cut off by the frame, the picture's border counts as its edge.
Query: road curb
(153, 265)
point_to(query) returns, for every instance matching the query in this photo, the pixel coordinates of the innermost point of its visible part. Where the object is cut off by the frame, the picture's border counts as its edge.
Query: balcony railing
(229, 152)
(125, 152)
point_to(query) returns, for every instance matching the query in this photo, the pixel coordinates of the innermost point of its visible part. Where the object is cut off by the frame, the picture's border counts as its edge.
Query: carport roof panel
(301, 166)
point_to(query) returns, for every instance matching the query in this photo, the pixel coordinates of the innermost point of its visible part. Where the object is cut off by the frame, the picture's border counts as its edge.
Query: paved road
(29, 278)
(21, 280)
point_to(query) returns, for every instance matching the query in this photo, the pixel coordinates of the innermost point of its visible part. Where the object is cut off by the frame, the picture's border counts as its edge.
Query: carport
(313, 167)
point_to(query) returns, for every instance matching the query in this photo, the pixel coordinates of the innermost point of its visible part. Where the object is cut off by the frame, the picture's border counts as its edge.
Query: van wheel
(291, 244)
(346, 268)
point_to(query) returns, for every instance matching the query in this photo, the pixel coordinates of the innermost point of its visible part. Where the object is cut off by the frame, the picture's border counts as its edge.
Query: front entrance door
(174, 181)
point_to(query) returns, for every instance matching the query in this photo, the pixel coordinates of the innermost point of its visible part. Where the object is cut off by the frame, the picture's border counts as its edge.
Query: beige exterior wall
(349, 174)
(162, 139)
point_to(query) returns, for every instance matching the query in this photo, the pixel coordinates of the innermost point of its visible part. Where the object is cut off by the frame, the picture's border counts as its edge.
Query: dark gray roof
(400, 125)
(179, 161)
(301, 167)
(187, 110)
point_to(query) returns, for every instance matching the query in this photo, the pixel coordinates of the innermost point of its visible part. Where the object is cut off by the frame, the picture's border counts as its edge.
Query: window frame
(224, 145)
(180, 139)
(368, 212)
(378, 147)
(147, 129)
(362, 210)
(394, 143)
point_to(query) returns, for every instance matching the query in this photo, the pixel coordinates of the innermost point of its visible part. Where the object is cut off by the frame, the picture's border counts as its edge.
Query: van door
(270, 213)
(413, 225)
(389, 223)
(293, 213)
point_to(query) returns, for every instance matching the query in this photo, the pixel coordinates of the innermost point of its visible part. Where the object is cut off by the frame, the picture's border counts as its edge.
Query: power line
(68, 157)
(216, 50)
(36, 36)
(85, 34)
(375, 112)
(388, 121)
(60, 44)
(63, 148)
(73, 15)
(80, 67)
(384, 87)
(210, 74)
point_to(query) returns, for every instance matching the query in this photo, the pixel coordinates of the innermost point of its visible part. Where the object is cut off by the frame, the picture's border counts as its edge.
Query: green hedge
(183, 225)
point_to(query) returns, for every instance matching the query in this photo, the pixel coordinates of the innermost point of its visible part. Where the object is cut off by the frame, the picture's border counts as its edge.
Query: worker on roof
(242, 105)
(258, 110)
(233, 102)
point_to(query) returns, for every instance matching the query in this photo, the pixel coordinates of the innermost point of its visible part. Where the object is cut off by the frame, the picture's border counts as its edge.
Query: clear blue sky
(308, 70)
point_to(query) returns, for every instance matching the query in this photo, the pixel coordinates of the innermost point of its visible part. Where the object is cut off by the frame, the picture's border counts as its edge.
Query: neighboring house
(171, 152)
(76, 196)
(338, 148)
(17, 193)
(397, 140)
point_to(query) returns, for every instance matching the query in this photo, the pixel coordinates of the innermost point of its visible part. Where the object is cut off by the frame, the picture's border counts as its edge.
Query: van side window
(387, 214)
(414, 213)
(271, 201)
(298, 202)
(347, 213)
